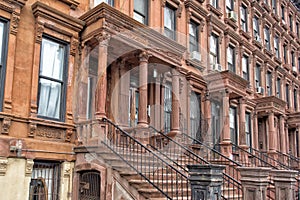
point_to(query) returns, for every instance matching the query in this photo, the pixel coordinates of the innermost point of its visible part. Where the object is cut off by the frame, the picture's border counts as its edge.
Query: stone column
(285, 182)
(225, 137)
(255, 131)
(272, 135)
(101, 92)
(254, 182)
(143, 89)
(206, 181)
(298, 133)
(242, 121)
(282, 135)
(207, 114)
(175, 101)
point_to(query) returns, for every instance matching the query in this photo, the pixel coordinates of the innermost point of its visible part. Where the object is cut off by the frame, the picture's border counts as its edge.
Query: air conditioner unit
(217, 67)
(283, 22)
(294, 69)
(260, 90)
(232, 15)
(195, 55)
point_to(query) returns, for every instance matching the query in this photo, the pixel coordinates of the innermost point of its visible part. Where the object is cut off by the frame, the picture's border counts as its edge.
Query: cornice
(41, 10)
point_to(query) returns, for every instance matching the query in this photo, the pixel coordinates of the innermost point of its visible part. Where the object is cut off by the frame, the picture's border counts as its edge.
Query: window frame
(167, 113)
(232, 48)
(249, 133)
(256, 25)
(245, 74)
(278, 87)
(109, 2)
(231, 8)
(234, 129)
(282, 13)
(269, 83)
(196, 38)
(267, 37)
(287, 95)
(4, 52)
(277, 46)
(293, 59)
(285, 58)
(257, 75)
(173, 32)
(216, 54)
(244, 22)
(145, 15)
(215, 3)
(196, 119)
(291, 25)
(274, 6)
(63, 94)
(295, 94)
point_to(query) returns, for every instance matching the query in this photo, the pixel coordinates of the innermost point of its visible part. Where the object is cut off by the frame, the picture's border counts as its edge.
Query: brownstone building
(113, 99)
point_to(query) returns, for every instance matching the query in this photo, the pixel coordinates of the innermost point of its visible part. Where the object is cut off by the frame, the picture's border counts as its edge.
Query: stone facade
(236, 80)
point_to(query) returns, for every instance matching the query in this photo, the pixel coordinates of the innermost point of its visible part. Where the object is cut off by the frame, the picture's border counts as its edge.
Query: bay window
(52, 79)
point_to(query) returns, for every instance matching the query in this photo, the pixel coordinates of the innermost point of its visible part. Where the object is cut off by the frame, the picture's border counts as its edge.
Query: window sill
(266, 7)
(268, 52)
(291, 33)
(277, 60)
(245, 34)
(72, 3)
(276, 17)
(231, 23)
(283, 24)
(216, 11)
(257, 43)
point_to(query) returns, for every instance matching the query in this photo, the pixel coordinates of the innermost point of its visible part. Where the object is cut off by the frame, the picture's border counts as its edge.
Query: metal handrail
(289, 158)
(229, 181)
(177, 177)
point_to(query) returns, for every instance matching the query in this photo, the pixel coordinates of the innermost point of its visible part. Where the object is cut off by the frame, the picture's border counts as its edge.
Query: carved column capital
(69, 133)
(179, 11)
(74, 46)
(103, 38)
(144, 56)
(3, 166)
(67, 169)
(29, 167)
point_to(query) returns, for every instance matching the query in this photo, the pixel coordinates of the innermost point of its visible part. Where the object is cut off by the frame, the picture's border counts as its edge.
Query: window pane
(109, 2)
(195, 115)
(140, 6)
(213, 45)
(169, 18)
(50, 98)
(52, 59)
(1, 40)
(139, 17)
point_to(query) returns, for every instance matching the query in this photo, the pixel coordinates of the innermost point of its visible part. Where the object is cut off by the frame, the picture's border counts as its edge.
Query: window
(245, 67)
(169, 22)
(3, 52)
(256, 28)
(89, 185)
(278, 88)
(214, 49)
(276, 46)
(282, 13)
(195, 116)
(133, 103)
(291, 22)
(109, 2)
(293, 59)
(244, 21)
(274, 6)
(44, 182)
(215, 123)
(214, 3)
(267, 39)
(297, 29)
(233, 125)
(91, 85)
(269, 83)
(168, 107)
(229, 5)
(231, 58)
(140, 11)
(299, 64)
(193, 37)
(285, 53)
(295, 99)
(52, 79)
(248, 130)
(266, 2)
(287, 95)
(257, 76)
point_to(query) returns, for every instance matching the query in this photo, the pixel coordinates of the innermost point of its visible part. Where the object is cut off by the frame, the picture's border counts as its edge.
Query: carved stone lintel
(179, 11)
(39, 29)
(6, 125)
(103, 38)
(69, 134)
(201, 26)
(32, 129)
(14, 23)
(29, 167)
(3, 166)
(74, 46)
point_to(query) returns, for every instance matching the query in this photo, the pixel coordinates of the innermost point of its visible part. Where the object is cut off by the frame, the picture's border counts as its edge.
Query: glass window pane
(213, 45)
(244, 64)
(140, 6)
(1, 40)
(169, 18)
(52, 59)
(49, 98)
(139, 17)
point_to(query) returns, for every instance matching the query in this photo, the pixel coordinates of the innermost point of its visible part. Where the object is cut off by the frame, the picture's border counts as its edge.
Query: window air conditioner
(260, 90)
(294, 69)
(283, 22)
(195, 55)
(217, 67)
(257, 38)
(232, 15)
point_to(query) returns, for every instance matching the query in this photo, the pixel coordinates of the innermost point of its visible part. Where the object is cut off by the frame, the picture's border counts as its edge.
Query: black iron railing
(231, 186)
(162, 175)
(290, 160)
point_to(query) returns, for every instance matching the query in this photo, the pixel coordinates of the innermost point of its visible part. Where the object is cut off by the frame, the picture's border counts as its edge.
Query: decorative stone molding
(74, 46)
(3, 166)
(179, 11)
(103, 38)
(144, 56)
(39, 29)
(29, 167)
(67, 169)
(14, 23)
(69, 133)
(6, 125)
(72, 3)
(32, 129)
